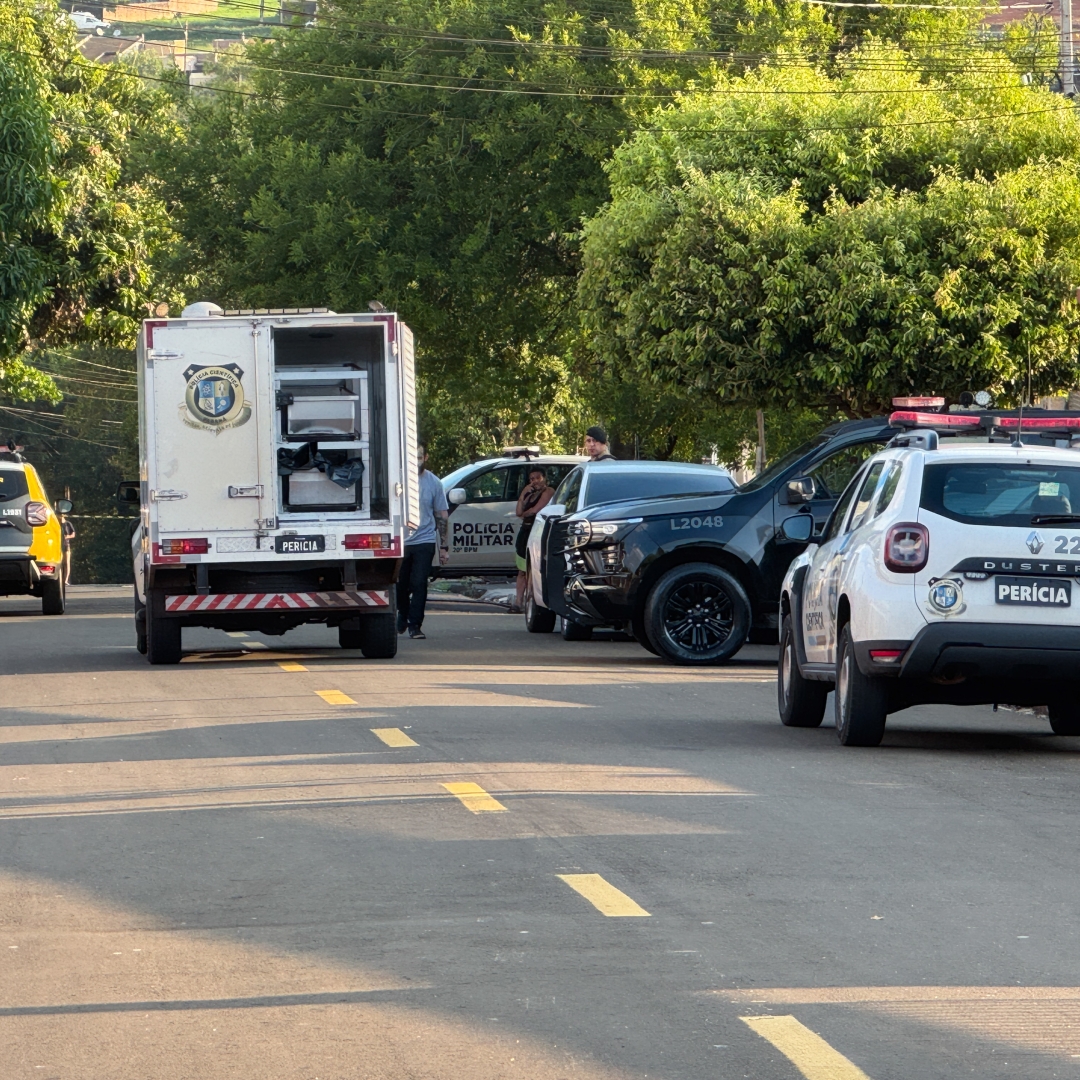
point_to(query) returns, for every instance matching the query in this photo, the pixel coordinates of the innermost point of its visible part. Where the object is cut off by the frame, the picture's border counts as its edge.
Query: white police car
(945, 575)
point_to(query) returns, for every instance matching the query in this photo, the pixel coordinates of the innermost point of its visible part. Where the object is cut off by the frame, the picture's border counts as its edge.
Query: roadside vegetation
(662, 216)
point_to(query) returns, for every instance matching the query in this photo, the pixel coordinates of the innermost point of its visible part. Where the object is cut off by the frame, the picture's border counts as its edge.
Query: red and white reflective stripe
(277, 601)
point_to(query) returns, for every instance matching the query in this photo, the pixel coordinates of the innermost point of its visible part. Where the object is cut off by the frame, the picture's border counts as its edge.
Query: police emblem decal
(214, 398)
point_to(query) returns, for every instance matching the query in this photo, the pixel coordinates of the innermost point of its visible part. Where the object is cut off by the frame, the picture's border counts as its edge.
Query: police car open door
(209, 465)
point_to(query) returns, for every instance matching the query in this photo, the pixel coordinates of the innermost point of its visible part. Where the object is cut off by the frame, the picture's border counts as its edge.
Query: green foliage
(80, 228)
(836, 248)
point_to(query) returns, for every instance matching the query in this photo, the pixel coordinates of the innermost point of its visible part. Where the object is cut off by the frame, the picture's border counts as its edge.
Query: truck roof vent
(202, 310)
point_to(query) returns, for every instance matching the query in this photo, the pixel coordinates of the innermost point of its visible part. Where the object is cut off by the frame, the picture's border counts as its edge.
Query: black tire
(375, 636)
(697, 614)
(801, 701)
(1064, 717)
(52, 596)
(575, 631)
(140, 622)
(162, 637)
(538, 620)
(862, 702)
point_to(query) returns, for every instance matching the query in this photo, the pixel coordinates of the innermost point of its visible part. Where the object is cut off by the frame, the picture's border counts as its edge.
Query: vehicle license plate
(298, 545)
(1032, 591)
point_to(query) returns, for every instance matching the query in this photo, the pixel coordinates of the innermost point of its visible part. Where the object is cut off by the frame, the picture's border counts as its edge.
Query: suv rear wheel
(801, 701)
(697, 614)
(862, 702)
(52, 596)
(1064, 717)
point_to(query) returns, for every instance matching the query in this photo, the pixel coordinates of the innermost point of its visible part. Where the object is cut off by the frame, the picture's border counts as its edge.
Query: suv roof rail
(916, 439)
(525, 452)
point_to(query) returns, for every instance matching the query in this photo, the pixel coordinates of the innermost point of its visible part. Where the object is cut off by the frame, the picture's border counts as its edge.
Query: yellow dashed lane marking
(335, 697)
(603, 895)
(475, 798)
(236, 633)
(809, 1053)
(393, 736)
(289, 665)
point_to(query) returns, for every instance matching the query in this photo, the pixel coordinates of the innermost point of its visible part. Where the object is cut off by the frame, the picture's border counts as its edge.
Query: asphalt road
(216, 871)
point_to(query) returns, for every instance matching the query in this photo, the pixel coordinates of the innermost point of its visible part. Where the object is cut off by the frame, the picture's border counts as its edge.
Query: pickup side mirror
(127, 492)
(63, 506)
(800, 490)
(797, 529)
(457, 496)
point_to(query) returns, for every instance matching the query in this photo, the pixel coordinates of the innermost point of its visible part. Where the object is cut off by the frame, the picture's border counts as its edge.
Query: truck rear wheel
(140, 622)
(801, 701)
(374, 635)
(1064, 717)
(162, 636)
(697, 614)
(52, 597)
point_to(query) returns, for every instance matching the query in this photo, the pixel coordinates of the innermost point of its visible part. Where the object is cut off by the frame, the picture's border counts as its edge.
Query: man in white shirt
(420, 551)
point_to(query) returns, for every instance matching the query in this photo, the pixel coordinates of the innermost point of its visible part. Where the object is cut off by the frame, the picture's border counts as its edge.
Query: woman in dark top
(535, 495)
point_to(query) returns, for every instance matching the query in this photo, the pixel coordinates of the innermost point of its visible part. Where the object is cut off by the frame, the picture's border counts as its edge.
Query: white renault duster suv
(945, 575)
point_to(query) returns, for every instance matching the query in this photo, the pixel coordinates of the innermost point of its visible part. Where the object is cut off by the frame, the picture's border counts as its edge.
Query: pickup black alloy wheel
(697, 614)
(862, 702)
(52, 597)
(374, 635)
(1065, 717)
(575, 631)
(538, 620)
(801, 701)
(162, 637)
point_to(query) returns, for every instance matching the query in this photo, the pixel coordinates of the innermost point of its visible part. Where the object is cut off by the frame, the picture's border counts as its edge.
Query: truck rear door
(210, 396)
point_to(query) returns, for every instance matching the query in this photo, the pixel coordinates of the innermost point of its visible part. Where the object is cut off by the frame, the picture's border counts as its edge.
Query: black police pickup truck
(695, 577)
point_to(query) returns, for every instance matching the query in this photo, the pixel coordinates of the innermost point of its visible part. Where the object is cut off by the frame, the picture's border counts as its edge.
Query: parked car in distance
(692, 576)
(86, 21)
(482, 498)
(592, 485)
(944, 576)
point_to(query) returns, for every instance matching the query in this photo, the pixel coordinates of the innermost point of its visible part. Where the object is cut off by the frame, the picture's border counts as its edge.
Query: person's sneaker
(416, 632)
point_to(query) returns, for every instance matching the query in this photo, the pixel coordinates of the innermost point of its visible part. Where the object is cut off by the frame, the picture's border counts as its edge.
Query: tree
(839, 246)
(81, 230)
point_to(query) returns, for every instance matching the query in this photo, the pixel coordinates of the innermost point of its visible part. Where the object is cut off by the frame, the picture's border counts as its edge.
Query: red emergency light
(934, 420)
(185, 547)
(1037, 423)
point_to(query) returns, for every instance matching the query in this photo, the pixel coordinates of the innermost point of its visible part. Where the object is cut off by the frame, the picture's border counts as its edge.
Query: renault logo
(1034, 543)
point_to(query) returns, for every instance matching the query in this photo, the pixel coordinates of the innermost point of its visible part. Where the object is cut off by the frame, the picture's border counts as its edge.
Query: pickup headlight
(591, 533)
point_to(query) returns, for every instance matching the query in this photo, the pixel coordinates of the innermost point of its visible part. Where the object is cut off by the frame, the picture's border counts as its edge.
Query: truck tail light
(367, 541)
(37, 513)
(907, 547)
(185, 547)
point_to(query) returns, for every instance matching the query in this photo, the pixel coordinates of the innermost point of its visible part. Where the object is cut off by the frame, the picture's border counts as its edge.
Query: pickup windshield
(784, 463)
(993, 493)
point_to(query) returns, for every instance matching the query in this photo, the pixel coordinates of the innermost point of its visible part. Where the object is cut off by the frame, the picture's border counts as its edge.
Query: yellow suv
(31, 545)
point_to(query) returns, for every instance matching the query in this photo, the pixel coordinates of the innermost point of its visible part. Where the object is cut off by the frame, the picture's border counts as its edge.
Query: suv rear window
(985, 493)
(608, 487)
(12, 484)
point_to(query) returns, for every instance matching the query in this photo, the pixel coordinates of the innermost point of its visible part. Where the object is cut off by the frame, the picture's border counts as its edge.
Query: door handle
(252, 491)
(167, 495)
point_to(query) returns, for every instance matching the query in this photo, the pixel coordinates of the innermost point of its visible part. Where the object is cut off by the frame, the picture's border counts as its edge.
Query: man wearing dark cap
(596, 444)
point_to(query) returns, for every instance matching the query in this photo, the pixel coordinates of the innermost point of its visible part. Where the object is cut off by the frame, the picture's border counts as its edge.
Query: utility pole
(1068, 58)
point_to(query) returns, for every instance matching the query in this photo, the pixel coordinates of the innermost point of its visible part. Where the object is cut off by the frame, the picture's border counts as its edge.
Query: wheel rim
(842, 681)
(699, 616)
(785, 672)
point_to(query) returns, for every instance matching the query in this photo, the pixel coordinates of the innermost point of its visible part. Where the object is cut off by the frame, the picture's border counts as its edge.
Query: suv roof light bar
(906, 419)
(918, 403)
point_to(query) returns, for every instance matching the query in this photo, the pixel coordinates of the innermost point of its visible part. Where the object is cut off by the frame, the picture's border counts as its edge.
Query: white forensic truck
(278, 472)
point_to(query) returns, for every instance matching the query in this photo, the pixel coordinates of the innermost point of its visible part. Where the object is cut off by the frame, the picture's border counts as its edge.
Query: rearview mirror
(797, 529)
(63, 506)
(127, 492)
(800, 490)
(457, 496)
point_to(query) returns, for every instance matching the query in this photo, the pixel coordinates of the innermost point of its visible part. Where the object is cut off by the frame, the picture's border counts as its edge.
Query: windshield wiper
(1055, 519)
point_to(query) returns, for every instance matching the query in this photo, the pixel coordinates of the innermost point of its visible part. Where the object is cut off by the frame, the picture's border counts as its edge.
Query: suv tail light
(907, 547)
(185, 547)
(37, 513)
